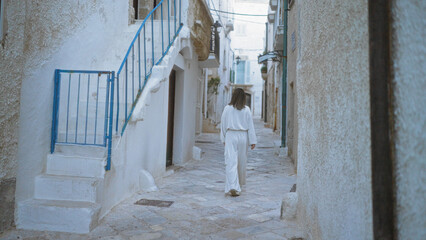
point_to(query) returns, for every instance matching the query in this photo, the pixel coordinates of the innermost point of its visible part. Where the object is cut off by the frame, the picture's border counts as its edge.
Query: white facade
(248, 43)
(69, 189)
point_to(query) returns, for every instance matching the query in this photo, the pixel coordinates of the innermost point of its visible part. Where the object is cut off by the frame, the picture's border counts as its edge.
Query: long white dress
(237, 132)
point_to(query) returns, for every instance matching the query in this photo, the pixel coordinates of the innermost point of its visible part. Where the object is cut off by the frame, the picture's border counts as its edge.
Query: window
(241, 70)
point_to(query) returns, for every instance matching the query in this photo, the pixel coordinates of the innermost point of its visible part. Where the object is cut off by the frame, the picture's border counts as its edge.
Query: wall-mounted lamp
(238, 59)
(217, 24)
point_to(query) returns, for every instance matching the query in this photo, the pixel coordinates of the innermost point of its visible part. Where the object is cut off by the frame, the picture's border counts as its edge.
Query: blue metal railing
(87, 101)
(152, 42)
(83, 101)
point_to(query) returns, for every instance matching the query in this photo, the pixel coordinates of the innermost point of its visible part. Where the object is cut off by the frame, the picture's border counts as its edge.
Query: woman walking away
(236, 132)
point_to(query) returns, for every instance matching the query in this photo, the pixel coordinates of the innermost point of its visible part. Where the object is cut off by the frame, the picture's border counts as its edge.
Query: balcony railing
(151, 43)
(215, 42)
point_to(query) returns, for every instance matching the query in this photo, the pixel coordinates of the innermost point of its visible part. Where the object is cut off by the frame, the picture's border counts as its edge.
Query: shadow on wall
(7, 204)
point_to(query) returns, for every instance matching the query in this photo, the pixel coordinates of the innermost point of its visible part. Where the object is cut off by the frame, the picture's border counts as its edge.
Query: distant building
(247, 43)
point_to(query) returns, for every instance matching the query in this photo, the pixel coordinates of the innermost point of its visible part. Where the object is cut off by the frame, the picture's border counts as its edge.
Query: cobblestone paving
(200, 209)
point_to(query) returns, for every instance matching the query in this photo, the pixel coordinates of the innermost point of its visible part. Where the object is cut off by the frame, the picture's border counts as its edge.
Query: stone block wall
(200, 22)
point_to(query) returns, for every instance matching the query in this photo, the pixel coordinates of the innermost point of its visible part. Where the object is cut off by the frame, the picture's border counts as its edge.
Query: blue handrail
(82, 108)
(86, 133)
(153, 54)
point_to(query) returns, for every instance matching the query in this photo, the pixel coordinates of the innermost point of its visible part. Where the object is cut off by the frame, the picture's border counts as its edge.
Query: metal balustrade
(151, 43)
(83, 108)
(84, 101)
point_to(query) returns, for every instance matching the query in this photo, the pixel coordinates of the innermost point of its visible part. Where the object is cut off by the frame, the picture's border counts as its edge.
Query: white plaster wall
(70, 35)
(334, 156)
(143, 144)
(77, 35)
(185, 110)
(409, 60)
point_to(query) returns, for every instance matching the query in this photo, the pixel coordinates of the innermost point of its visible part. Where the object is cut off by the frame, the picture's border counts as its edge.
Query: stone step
(79, 166)
(90, 138)
(54, 187)
(60, 216)
(81, 150)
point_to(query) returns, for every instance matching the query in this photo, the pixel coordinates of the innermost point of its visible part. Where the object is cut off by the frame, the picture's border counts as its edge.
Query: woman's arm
(251, 132)
(223, 127)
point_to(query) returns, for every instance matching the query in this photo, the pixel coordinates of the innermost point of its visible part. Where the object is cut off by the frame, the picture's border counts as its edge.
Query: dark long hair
(238, 99)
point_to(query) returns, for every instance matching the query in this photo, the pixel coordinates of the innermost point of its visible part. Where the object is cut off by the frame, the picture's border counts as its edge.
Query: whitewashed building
(97, 120)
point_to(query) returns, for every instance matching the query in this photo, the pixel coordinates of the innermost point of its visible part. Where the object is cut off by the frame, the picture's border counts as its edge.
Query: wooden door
(171, 116)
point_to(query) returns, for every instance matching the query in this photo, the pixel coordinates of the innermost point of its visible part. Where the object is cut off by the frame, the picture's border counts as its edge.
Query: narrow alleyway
(200, 209)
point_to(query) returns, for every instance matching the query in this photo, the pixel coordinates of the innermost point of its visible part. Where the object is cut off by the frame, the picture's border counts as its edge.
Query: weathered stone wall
(11, 66)
(200, 22)
(292, 58)
(334, 156)
(409, 54)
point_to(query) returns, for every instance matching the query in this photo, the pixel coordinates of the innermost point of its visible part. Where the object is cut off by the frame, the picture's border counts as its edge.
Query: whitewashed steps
(80, 150)
(67, 195)
(79, 166)
(52, 187)
(61, 216)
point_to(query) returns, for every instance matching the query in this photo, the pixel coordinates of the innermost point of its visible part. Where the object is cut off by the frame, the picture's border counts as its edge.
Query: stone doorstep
(60, 216)
(67, 188)
(80, 150)
(79, 166)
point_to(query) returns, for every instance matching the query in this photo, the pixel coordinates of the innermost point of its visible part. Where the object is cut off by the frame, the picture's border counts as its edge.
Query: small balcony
(278, 38)
(213, 59)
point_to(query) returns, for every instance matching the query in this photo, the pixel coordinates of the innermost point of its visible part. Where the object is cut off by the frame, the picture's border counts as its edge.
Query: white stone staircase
(68, 194)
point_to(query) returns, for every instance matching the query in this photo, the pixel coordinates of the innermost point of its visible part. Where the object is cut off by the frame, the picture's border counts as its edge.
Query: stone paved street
(200, 209)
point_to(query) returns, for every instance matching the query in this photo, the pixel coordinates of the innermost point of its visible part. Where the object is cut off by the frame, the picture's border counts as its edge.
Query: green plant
(263, 69)
(213, 85)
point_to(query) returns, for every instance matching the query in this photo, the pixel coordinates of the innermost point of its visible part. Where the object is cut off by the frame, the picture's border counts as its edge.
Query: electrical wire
(243, 20)
(242, 14)
(218, 16)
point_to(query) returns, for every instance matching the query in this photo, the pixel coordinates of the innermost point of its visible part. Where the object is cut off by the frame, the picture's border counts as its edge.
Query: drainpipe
(205, 91)
(381, 120)
(284, 79)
